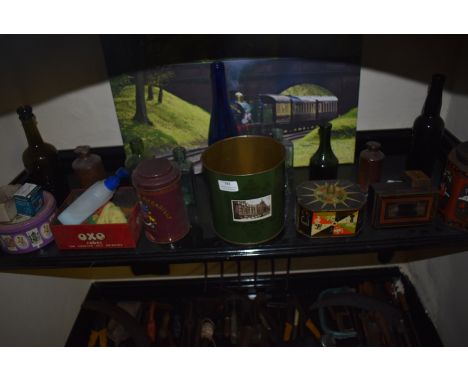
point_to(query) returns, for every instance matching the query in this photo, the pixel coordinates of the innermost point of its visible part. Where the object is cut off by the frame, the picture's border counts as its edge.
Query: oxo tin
(329, 208)
(245, 175)
(158, 185)
(23, 236)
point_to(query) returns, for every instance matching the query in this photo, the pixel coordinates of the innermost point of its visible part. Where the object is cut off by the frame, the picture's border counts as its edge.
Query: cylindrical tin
(329, 208)
(453, 201)
(157, 182)
(27, 234)
(245, 175)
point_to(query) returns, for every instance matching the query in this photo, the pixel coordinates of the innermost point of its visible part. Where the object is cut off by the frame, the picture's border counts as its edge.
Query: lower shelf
(340, 308)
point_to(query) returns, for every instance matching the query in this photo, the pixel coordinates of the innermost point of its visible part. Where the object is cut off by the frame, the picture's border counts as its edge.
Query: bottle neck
(218, 83)
(433, 102)
(32, 133)
(325, 138)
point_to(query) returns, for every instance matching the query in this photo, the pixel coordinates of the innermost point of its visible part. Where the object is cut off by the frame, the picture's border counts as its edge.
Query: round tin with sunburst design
(329, 208)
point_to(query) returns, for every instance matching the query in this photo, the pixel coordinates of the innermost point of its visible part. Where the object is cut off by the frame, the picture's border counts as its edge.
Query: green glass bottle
(323, 164)
(187, 174)
(137, 149)
(41, 158)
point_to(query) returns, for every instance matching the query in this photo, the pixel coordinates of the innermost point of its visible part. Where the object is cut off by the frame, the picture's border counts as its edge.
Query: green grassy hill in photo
(175, 121)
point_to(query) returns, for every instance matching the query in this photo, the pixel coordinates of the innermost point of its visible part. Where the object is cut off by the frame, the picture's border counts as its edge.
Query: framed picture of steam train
(170, 105)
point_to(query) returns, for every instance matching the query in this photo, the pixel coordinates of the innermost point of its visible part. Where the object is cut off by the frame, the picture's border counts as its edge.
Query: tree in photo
(141, 115)
(159, 77)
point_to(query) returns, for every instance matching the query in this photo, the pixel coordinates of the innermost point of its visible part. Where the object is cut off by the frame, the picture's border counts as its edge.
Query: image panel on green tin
(170, 105)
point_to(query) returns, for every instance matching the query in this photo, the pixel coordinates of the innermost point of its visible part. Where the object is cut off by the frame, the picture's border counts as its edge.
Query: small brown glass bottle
(370, 165)
(88, 167)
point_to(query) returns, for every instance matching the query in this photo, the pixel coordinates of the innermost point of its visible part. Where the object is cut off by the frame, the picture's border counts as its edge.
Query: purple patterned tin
(26, 234)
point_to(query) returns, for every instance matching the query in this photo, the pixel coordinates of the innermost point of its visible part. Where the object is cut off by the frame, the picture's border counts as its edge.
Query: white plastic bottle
(90, 200)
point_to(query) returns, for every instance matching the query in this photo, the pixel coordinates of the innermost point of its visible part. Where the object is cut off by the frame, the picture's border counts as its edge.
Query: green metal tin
(245, 175)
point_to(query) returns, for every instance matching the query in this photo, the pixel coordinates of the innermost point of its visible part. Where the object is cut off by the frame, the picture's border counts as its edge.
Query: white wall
(82, 117)
(38, 311)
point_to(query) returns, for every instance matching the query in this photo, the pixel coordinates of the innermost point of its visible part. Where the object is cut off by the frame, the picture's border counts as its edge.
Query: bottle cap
(113, 181)
(136, 145)
(179, 153)
(82, 150)
(373, 145)
(217, 66)
(277, 133)
(24, 112)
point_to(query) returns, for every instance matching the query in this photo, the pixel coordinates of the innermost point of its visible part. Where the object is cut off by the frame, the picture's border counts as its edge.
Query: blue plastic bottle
(222, 123)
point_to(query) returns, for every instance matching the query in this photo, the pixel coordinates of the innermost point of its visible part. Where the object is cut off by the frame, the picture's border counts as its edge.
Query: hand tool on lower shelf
(98, 335)
(151, 325)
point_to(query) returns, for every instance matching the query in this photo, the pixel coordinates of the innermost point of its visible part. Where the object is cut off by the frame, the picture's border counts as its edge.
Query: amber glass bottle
(40, 158)
(370, 165)
(324, 164)
(88, 167)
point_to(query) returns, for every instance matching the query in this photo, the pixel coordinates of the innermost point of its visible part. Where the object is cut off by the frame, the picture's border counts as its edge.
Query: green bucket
(246, 178)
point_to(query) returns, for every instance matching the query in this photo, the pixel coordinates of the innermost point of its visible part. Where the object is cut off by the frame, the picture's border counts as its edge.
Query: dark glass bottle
(222, 123)
(40, 158)
(324, 163)
(187, 174)
(428, 129)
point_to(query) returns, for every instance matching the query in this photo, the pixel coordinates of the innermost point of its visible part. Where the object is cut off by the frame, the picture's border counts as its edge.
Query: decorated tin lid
(330, 195)
(154, 173)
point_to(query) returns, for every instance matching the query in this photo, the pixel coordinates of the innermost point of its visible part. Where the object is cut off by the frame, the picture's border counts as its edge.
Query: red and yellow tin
(453, 202)
(162, 207)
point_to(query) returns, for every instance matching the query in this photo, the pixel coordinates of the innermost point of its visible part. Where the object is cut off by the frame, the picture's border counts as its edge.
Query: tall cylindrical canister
(157, 182)
(245, 175)
(453, 202)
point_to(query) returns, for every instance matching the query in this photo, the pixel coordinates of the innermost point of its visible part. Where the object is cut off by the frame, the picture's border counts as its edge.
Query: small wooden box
(398, 204)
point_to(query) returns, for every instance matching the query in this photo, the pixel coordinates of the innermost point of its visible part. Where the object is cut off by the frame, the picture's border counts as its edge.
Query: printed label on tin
(9, 243)
(251, 210)
(21, 241)
(228, 185)
(35, 237)
(334, 223)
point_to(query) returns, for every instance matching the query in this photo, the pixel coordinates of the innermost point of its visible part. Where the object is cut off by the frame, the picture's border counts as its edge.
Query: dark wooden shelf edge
(71, 259)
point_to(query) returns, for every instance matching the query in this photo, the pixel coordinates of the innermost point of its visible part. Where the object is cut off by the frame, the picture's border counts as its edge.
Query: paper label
(228, 185)
(251, 210)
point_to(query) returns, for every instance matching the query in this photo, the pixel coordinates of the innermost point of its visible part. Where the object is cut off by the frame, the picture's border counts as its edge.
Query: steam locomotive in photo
(292, 113)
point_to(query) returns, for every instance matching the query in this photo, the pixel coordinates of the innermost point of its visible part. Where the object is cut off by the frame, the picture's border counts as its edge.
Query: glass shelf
(202, 245)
